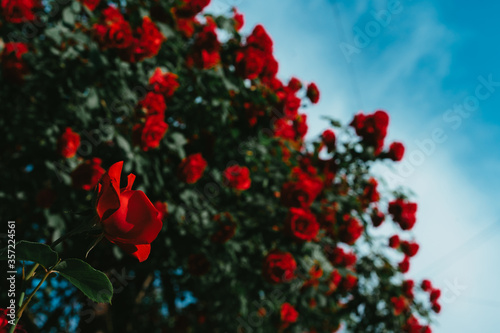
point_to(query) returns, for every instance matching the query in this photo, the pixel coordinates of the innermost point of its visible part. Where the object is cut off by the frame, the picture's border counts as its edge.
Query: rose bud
(191, 168)
(288, 313)
(68, 143)
(394, 242)
(404, 266)
(396, 151)
(313, 92)
(239, 20)
(409, 248)
(294, 84)
(426, 285)
(434, 296)
(128, 217)
(328, 139)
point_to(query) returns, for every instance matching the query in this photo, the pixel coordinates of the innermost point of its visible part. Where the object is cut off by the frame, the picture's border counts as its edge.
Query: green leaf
(68, 16)
(31, 251)
(93, 283)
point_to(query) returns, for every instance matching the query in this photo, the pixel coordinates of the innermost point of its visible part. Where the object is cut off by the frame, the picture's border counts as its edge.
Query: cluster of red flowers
(205, 51)
(114, 32)
(404, 213)
(372, 128)
(434, 295)
(185, 15)
(151, 110)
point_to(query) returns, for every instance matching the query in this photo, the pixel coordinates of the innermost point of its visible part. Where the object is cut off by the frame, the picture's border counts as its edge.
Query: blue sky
(423, 65)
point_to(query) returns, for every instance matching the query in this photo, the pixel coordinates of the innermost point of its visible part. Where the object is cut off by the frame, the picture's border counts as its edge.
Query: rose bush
(241, 221)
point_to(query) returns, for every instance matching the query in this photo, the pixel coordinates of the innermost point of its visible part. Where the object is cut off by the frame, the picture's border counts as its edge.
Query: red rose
(426, 285)
(226, 228)
(127, 216)
(191, 7)
(250, 62)
(291, 105)
(348, 282)
(87, 175)
(334, 281)
(436, 307)
(404, 266)
(413, 326)
(260, 39)
(328, 139)
(404, 213)
(162, 209)
(301, 224)
(164, 83)
(407, 287)
(434, 295)
(191, 168)
(394, 242)
(283, 128)
(13, 65)
(113, 31)
(288, 314)
(399, 304)
(238, 19)
(237, 177)
(91, 4)
(300, 124)
(409, 248)
(339, 258)
(279, 267)
(205, 51)
(198, 264)
(294, 84)
(302, 192)
(370, 193)
(377, 217)
(148, 44)
(271, 67)
(372, 128)
(153, 104)
(68, 143)
(186, 25)
(313, 92)
(149, 135)
(396, 151)
(19, 11)
(350, 230)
